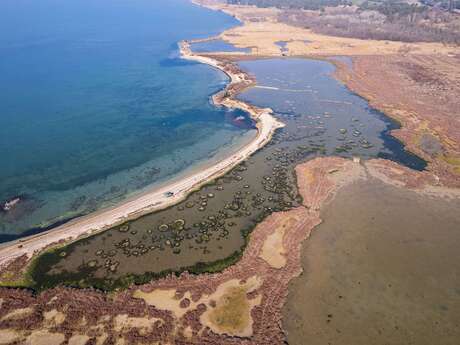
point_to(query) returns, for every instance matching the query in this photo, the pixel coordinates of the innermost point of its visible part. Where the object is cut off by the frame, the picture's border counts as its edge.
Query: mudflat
(383, 266)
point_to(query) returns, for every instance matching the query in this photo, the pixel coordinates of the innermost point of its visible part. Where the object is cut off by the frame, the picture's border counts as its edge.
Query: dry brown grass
(262, 29)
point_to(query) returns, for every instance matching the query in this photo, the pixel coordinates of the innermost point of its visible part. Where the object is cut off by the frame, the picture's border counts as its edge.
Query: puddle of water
(322, 118)
(382, 268)
(283, 46)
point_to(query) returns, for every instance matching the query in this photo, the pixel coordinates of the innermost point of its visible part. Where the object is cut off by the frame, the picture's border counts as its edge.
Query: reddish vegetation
(428, 106)
(318, 180)
(14, 270)
(401, 175)
(235, 88)
(421, 92)
(82, 308)
(93, 305)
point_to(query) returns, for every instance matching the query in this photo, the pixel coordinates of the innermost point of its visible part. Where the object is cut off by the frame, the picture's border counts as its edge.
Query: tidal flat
(383, 266)
(208, 231)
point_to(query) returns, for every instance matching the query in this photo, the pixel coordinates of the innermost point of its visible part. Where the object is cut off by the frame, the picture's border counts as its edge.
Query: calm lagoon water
(217, 45)
(95, 104)
(382, 269)
(309, 100)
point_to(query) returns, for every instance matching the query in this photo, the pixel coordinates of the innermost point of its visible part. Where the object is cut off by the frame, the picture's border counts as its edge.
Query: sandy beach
(158, 199)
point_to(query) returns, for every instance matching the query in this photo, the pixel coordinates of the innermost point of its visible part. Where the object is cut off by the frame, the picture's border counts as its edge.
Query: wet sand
(382, 268)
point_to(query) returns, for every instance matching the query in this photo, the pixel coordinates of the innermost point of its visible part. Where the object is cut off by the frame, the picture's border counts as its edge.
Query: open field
(262, 29)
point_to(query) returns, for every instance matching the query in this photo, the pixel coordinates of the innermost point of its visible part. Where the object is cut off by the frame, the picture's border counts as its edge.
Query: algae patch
(232, 313)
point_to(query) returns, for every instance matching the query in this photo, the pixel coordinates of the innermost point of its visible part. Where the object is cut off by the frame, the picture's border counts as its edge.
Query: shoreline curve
(156, 199)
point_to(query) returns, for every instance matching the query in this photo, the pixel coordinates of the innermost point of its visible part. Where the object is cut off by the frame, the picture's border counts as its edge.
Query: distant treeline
(445, 4)
(401, 8)
(393, 20)
(387, 7)
(304, 4)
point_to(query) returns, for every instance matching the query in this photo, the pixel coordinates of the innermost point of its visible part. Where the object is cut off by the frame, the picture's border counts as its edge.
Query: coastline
(425, 69)
(182, 306)
(156, 199)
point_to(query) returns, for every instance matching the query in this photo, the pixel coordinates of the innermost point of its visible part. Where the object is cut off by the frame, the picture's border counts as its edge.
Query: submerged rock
(124, 228)
(92, 263)
(163, 227)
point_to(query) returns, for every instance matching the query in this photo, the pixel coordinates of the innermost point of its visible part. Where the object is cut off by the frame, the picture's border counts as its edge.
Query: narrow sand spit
(198, 309)
(156, 199)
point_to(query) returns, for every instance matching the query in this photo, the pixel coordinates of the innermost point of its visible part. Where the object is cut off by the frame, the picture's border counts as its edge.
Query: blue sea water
(96, 105)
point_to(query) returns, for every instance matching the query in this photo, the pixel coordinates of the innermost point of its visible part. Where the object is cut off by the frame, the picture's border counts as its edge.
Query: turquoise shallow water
(95, 104)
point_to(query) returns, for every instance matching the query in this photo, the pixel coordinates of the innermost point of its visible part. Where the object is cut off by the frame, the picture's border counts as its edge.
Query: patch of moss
(232, 314)
(453, 161)
(39, 279)
(11, 279)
